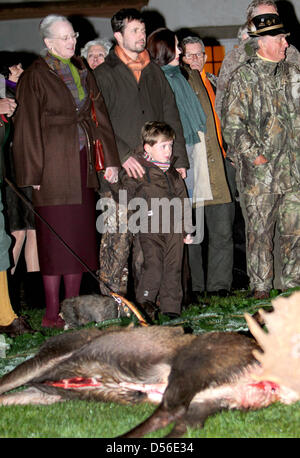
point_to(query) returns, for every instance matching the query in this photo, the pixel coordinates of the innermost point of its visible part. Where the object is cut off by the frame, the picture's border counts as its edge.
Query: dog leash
(117, 297)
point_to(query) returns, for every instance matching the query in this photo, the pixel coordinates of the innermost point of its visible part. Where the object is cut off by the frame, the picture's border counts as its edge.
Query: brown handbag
(98, 148)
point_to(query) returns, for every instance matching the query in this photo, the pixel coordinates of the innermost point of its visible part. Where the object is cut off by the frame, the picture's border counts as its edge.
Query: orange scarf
(212, 97)
(136, 66)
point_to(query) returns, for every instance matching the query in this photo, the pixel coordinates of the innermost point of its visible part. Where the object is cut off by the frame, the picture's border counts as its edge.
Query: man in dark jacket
(135, 91)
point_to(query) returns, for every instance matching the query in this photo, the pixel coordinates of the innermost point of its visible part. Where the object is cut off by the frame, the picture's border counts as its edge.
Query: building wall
(22, 35)
(195, 13)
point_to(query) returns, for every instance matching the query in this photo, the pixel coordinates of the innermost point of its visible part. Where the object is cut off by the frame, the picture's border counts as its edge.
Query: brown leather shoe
(17, 327)
(261, 294)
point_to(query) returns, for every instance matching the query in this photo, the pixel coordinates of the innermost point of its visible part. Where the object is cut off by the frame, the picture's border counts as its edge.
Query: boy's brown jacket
(164, 189)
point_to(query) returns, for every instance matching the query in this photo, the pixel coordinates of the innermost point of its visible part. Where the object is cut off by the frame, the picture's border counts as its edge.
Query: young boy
(158, 251)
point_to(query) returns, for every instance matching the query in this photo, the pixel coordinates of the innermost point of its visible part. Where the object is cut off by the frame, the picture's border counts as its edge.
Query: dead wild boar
(190, 377)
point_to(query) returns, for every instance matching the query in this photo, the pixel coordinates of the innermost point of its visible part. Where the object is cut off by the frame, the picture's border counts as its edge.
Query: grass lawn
(80, 419)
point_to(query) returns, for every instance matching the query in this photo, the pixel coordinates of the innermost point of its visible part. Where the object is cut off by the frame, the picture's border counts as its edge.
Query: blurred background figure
(10, 323)
(20, 219)
(95, 51)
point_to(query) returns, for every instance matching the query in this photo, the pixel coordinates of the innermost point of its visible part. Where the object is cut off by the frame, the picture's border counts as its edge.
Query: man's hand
(7, 106)
(182, 172)
(133, 168)
(260, 160)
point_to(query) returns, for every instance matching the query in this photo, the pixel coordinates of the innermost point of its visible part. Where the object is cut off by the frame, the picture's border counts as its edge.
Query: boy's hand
(182, 172)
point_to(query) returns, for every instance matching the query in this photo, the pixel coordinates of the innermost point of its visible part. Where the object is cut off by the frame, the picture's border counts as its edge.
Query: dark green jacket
(131, 104)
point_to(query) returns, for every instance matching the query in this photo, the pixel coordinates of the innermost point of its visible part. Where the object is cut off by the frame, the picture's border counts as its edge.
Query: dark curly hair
(118, 20)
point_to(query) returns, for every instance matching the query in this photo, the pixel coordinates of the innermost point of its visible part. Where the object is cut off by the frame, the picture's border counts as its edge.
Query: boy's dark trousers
(160, 270)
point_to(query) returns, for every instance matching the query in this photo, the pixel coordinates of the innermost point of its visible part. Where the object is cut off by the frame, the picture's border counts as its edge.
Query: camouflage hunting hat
(266, 24)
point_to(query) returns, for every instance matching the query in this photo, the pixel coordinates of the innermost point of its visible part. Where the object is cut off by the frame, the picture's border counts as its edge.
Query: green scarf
(75, 75)
(190, 110)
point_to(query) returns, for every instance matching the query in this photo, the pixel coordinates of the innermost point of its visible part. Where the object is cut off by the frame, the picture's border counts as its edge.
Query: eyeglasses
(196, 54)
(96, 56)
(72, 36)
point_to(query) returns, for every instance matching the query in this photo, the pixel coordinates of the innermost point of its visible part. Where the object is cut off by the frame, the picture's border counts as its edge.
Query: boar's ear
(280, 360)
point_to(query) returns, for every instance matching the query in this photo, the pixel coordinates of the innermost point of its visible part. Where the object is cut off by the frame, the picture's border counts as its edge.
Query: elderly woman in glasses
(95, 51)
(53, 151)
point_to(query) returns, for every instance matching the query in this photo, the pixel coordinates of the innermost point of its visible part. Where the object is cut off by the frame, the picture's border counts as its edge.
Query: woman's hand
(111, 174)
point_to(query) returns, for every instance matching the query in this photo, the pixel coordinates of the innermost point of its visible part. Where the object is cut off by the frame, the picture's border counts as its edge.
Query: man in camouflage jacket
(247, 48)
(261, 125)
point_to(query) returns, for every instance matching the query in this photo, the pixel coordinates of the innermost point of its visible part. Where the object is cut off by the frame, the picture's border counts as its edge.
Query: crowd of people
(140, 115)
